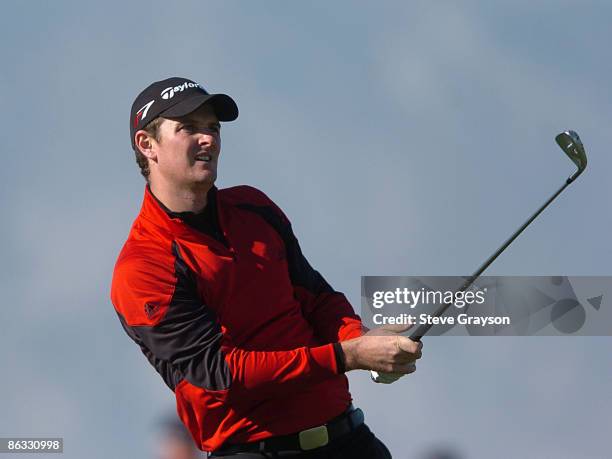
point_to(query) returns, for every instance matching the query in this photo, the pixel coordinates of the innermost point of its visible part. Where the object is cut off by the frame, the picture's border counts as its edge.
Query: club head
(570, 143)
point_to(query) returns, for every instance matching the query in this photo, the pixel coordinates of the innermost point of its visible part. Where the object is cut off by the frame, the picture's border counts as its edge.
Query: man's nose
(207, 138)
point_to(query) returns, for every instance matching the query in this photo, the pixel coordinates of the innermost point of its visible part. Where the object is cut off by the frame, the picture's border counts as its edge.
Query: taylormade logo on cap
(142, 113)
(168, 93)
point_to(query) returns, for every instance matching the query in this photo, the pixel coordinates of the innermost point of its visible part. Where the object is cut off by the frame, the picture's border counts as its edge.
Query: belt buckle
(313, 438)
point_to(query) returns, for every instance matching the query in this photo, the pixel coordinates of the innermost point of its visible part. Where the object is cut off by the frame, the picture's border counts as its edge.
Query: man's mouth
(205, 158)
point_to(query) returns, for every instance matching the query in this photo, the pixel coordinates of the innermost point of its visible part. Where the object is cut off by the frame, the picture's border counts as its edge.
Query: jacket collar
(154, 212)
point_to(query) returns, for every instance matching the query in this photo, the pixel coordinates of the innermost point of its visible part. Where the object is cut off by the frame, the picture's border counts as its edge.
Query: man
(213, 287)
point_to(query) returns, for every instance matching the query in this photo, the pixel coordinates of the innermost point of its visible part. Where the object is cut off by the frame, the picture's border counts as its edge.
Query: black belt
(305, 440)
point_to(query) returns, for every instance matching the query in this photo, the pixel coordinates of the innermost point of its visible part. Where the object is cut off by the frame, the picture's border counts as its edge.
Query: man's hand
(383, 350)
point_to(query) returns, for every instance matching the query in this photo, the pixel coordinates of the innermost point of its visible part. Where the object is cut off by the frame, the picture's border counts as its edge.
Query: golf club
(570, 143)
(572, 146)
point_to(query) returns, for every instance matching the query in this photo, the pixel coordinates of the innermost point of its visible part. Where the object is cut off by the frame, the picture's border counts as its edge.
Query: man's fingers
(402, 368)
(407, 358)
(405, 368)
(407, 345)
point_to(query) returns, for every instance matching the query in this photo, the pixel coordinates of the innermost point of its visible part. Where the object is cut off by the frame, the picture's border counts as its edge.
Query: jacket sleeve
(328, 312)
(158, 305)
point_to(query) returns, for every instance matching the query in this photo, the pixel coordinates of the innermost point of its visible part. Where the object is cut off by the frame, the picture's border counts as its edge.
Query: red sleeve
(158, 305)
(328, 311)
(331, 315)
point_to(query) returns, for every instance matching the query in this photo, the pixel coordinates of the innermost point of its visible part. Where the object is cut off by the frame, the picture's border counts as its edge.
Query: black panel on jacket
(187, 341)
(170, 374)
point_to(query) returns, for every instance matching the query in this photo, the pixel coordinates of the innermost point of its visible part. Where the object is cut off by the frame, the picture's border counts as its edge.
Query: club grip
(418, 334)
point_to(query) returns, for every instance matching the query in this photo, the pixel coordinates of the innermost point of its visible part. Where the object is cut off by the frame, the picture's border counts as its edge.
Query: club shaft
(422, 329)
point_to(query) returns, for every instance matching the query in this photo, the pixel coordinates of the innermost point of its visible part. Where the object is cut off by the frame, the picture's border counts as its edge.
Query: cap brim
(224, 106)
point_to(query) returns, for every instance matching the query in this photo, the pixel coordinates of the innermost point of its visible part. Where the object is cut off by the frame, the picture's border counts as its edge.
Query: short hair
(153, 130)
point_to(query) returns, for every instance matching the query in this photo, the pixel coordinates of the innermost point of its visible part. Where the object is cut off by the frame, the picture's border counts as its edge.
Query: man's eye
(193, 128)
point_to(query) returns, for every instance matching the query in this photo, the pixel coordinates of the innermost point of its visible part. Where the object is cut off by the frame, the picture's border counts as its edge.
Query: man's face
(188, 149)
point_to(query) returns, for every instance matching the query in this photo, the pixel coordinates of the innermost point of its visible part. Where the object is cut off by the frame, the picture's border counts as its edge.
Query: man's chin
(205, 180)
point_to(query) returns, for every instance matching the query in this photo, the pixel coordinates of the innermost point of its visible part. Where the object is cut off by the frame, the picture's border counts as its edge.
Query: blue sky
(401, 138)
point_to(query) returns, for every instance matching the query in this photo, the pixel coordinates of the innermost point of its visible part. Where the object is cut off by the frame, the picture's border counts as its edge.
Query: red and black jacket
(234, 318)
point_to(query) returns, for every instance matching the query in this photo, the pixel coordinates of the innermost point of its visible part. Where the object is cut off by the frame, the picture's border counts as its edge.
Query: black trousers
(359, 444)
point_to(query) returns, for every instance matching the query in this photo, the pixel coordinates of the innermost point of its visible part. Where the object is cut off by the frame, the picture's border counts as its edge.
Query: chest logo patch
(268, 251)
(150, 309)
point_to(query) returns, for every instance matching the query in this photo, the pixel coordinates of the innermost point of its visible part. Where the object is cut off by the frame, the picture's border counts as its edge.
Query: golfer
(212, 285)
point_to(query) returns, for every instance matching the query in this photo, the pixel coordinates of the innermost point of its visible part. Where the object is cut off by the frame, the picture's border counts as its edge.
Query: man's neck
(181, 200)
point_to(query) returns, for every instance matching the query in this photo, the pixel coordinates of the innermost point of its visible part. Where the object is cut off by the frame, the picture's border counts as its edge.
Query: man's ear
(144, 142)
